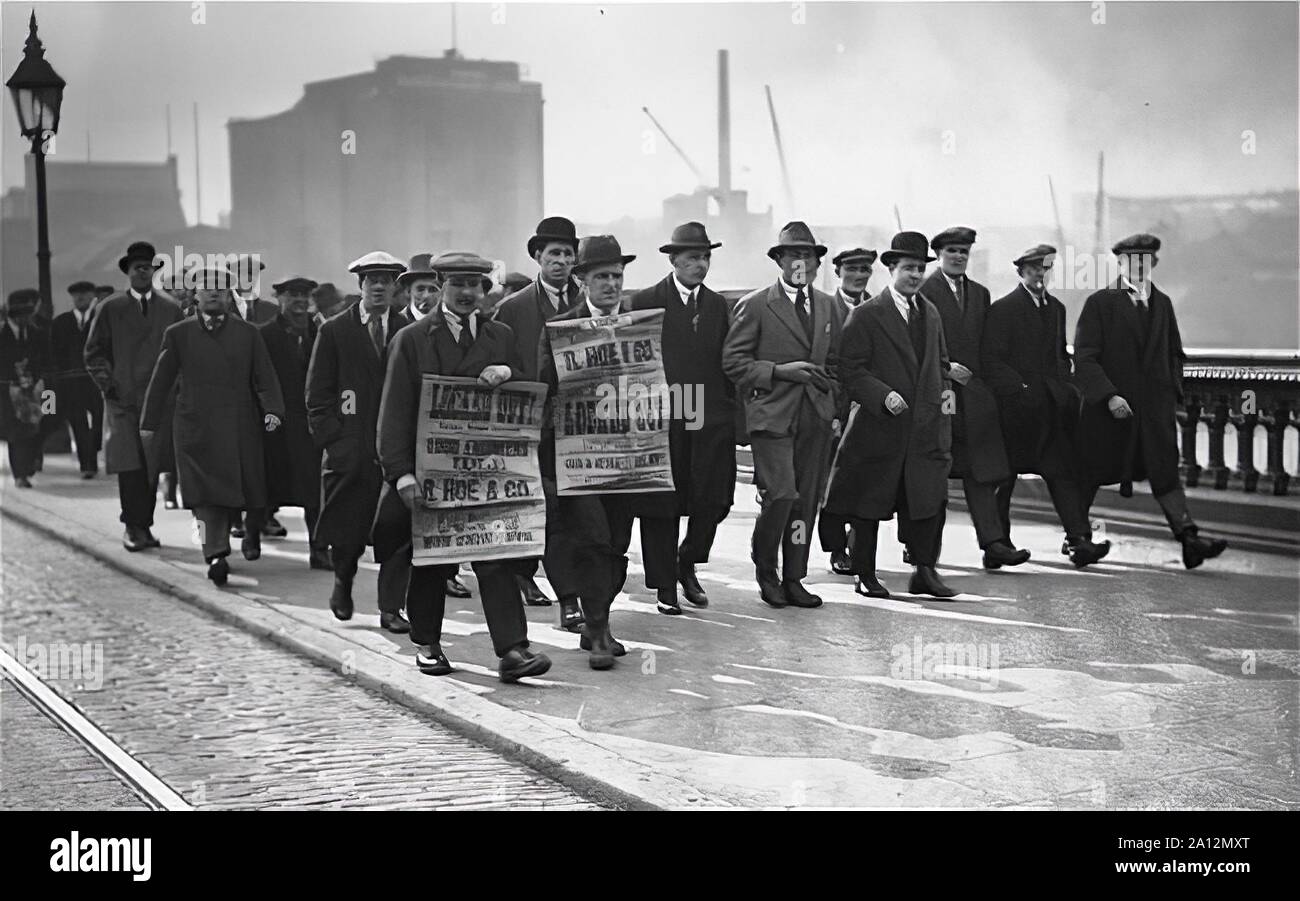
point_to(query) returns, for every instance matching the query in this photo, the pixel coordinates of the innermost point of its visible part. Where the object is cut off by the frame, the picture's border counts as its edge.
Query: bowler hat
(139, 250)
(1139, 243)
(793, 236)
(553, 228)
(689, 236)
(596, 250)
(24, 300)
(854, 253)
(81, 287)
(958, 234)
(377, 261)
(297, 283)
(907, 244)
(1038, 252)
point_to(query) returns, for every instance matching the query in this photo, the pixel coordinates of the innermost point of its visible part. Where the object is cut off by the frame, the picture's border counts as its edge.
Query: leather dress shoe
(251, 546)
(23, 482)
(237, 530)
(218, 571)
(770, 590)
(320, 559)
(798, 596)
(431, 661)
(869, 586)
(618, 649)
(570, 615)
(1196, 550)
(341, 599)
(1000, 554)
(272, 528)
(147, 536)
(133, 540)
(691, 587)
(394, 622)
(90, 474)
(1084, 552)
(533, 596)
(668, 602)
(926, 581)
(457, 589)
(521, 662)
(601, 650)
(840, 563)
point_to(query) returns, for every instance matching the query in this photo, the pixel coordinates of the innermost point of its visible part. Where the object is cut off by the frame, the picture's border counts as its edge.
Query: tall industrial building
(422, 154)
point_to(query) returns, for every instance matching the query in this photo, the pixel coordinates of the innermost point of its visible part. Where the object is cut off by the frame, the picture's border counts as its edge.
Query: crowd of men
(857, 409)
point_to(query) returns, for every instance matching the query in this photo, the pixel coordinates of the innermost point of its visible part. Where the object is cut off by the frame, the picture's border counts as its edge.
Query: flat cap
(376, 261)
(1139, 243)
(24, 300)
(1034, 254)
(958, 234)
(296, 283)
(81, 287)
(854, 253)
(211, 278)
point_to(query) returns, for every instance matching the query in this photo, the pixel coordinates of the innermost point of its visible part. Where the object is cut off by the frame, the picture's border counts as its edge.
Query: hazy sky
(866, 94)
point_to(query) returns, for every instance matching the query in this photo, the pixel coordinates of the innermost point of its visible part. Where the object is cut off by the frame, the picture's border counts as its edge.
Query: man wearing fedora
(553, 247)
(245, 302)
(1128, 358)
(1025, 363)
(896, 449)
(344, 381)
(25, 370)
(703, 451)
(126, 334)
(228, 397)
(978, 456)
(853, 269)
(781, 352)
(327, 301)
(453, 340)
(78, 400)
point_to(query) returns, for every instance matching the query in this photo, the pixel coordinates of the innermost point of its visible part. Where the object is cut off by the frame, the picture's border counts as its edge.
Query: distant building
(422, 154)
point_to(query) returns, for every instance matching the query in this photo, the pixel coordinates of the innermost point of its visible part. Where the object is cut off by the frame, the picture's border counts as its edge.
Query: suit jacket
(526, 311)
(977, 449)
(765, 331)
(1111, 357)
(119, 354)
(877, 447)
(68, 345)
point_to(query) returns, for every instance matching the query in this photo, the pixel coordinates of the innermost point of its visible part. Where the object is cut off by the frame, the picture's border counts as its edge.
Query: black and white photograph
(650, 406)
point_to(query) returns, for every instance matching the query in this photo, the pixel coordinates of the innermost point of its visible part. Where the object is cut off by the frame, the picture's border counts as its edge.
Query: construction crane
(780, 150)
(699, 178)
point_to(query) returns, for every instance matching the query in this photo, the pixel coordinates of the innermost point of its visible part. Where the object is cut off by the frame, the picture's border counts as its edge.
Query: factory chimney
(724, 127)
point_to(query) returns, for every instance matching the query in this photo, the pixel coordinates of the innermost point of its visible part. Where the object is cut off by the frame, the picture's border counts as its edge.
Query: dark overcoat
(292, 460)
(31, 357)
(1026, 364)
(977, 450)
(877, 448)
(526, 311)
(120, 354)
(1111, 357)
(344, 382)
(259, 311)
(226, 384)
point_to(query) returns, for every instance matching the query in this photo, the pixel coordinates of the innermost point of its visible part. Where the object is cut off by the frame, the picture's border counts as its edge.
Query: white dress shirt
(1136, 292)
(954, 285)
(791, 291)
(553, 294)
(683, 291)
(1040, 301)
(454, 324)
(383, 320)
(81, 317)
(901, 304)
(139, 298)
(847, 300)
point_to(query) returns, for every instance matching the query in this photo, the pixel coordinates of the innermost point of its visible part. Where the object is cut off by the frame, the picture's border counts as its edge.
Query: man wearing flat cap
(581, 561)
(126, 334)
(978, 456)
(853, 269)
(453, 340)
(782, 352)
(701, 438)
(25, 370)
(228, 398)
(1128, 359)
(344, 381)
(78, 400)
(1026, 365)
(895, 453)
(553, 247)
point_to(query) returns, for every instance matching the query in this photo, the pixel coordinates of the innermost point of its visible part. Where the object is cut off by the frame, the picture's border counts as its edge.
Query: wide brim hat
(689, 236)
(139, 250)
(24, 300)
(795, 235)
(854, 253)
(296, 283)
(598, 250)
(912, 245)
(553, 228)
(1139, 243)
(958, 234)
(1034, 254)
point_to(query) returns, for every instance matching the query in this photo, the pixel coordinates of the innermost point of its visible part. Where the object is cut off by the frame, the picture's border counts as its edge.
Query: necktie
(377, 334)
(916, 328)
(560, 301)
(961, 293)
(801, 308)
(692, 311)
(466, 340)
(144, 305)
(22, 334)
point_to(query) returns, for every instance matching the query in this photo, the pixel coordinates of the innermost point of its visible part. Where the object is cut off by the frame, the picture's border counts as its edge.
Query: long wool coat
(1111, 358)
(226, 386)
(878, 448)
(526, 312)
(292, 460)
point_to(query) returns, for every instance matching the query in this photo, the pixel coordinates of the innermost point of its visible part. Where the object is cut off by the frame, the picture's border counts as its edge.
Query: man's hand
(894, 403)
(803, 372)
(494, 375)
(1119, 407)
(835, 427)
(959, 373)
(272, 422)
(408, 493)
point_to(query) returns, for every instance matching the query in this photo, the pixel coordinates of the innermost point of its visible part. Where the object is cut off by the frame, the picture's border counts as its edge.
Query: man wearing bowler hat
(702, 447)
(24, 374)
(453, 340)
(978, 456)
(853, 268)
(895, 452)
(1025, 363)
(1128, 358)
(781, 352)
(553, 247)
(344, 381)
(78, 399)
(126, 334)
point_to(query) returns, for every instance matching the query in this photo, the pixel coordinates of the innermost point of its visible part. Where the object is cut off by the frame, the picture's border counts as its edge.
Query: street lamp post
(37, 91)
